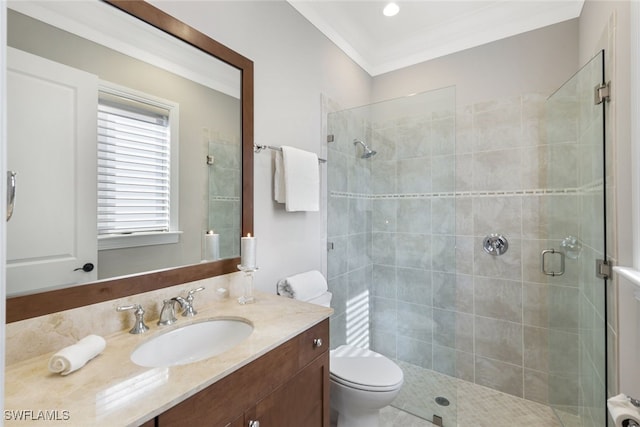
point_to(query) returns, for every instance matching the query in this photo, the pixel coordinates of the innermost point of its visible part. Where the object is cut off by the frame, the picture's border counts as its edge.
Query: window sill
(138, 239)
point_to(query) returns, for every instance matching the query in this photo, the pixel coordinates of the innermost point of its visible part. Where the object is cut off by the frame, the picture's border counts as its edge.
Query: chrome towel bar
(258, 148)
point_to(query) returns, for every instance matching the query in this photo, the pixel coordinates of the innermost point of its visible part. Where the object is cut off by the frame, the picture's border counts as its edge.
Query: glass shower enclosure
(410, 273)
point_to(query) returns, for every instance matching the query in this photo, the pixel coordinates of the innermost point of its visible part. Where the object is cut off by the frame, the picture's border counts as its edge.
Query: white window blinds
(133, 166)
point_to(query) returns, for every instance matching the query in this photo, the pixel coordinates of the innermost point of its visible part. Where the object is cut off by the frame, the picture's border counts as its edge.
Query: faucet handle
(193, 291)
(139, 327)
(190, 310)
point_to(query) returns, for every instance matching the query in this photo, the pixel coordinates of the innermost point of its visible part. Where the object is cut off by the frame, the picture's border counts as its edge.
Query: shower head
(368, 152)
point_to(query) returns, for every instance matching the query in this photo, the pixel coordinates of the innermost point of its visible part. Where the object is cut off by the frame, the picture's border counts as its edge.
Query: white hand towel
(303, 286)
(75, 356)
(278, 179)
(301, 180)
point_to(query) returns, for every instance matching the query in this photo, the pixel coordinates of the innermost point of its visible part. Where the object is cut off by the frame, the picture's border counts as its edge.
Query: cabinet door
(238, 422)
(302, 401)
(313, 342)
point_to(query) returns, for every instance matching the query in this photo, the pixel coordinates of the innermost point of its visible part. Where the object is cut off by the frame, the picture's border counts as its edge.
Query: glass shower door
(573, 322)
(392, 253)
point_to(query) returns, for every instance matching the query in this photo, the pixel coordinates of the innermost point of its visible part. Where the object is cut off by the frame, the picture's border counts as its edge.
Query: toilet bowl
(361, 383)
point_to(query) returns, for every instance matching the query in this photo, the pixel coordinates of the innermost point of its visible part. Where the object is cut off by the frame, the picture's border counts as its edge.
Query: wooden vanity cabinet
(287, 387)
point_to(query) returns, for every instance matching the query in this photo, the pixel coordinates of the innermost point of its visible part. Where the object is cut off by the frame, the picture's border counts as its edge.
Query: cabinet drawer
(313, 342)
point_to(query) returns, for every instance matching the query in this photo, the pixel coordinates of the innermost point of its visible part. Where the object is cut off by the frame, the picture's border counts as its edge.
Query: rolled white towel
(303, 286)
(75, 356)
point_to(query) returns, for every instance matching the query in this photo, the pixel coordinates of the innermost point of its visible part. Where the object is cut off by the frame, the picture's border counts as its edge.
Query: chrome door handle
(11, 193)
(543, 256)
(254, 423)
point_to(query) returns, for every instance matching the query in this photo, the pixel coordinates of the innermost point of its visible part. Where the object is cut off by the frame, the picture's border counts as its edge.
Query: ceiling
(426, 29)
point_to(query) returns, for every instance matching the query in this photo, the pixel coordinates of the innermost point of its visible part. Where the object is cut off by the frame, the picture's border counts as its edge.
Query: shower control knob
(317, 342)
(495, 244)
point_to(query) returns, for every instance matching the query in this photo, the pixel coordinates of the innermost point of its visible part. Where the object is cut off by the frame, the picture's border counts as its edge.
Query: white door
(51, 126)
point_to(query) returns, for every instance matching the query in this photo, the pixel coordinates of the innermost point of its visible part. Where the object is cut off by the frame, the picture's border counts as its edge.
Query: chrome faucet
(139, 327)
(168, 312)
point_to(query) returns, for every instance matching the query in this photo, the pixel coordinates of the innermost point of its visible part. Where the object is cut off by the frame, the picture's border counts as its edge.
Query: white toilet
(361, 381)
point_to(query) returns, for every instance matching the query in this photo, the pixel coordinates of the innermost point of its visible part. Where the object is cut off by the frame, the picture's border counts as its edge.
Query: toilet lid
(364, 369)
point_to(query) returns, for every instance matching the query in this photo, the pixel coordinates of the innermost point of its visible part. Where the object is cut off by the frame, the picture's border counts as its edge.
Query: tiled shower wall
(408, 270)
(223, 215)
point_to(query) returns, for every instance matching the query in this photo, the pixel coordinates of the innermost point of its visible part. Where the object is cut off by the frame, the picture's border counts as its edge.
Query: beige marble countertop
(112, 391)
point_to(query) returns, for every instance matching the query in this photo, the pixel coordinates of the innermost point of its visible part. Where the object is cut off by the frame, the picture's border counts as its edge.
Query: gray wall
(537, 61)
(294, 65)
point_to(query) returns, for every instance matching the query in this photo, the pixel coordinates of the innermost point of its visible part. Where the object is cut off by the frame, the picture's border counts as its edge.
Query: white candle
(211, 246)
(248, 252)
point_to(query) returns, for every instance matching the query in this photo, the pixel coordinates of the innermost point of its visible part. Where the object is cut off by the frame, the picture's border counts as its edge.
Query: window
(136, 141)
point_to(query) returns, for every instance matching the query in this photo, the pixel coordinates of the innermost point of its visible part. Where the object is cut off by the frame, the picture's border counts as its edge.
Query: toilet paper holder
(631, 422)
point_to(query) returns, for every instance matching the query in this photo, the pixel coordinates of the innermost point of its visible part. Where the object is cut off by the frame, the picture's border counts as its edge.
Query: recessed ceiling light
(391, 9)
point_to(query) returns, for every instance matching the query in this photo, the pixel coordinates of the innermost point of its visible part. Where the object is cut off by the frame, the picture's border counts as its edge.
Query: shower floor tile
(471, 405)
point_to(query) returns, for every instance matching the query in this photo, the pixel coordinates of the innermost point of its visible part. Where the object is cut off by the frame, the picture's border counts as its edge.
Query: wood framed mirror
(51, 301)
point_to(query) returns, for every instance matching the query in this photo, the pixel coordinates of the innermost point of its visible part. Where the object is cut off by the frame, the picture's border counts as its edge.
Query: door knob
(86, 268)
(254, 423)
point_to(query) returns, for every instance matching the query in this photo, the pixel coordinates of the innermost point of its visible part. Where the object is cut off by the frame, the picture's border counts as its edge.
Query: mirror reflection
(127, 158)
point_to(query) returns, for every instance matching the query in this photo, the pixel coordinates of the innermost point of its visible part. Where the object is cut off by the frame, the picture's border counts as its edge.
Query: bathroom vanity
(289, 386)
(278, 376)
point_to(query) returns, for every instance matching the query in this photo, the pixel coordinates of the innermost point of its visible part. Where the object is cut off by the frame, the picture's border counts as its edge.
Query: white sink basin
(191, 343)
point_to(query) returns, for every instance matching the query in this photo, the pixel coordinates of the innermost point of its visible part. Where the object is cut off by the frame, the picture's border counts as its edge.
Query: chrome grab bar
(11, 193)
(543, 264)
